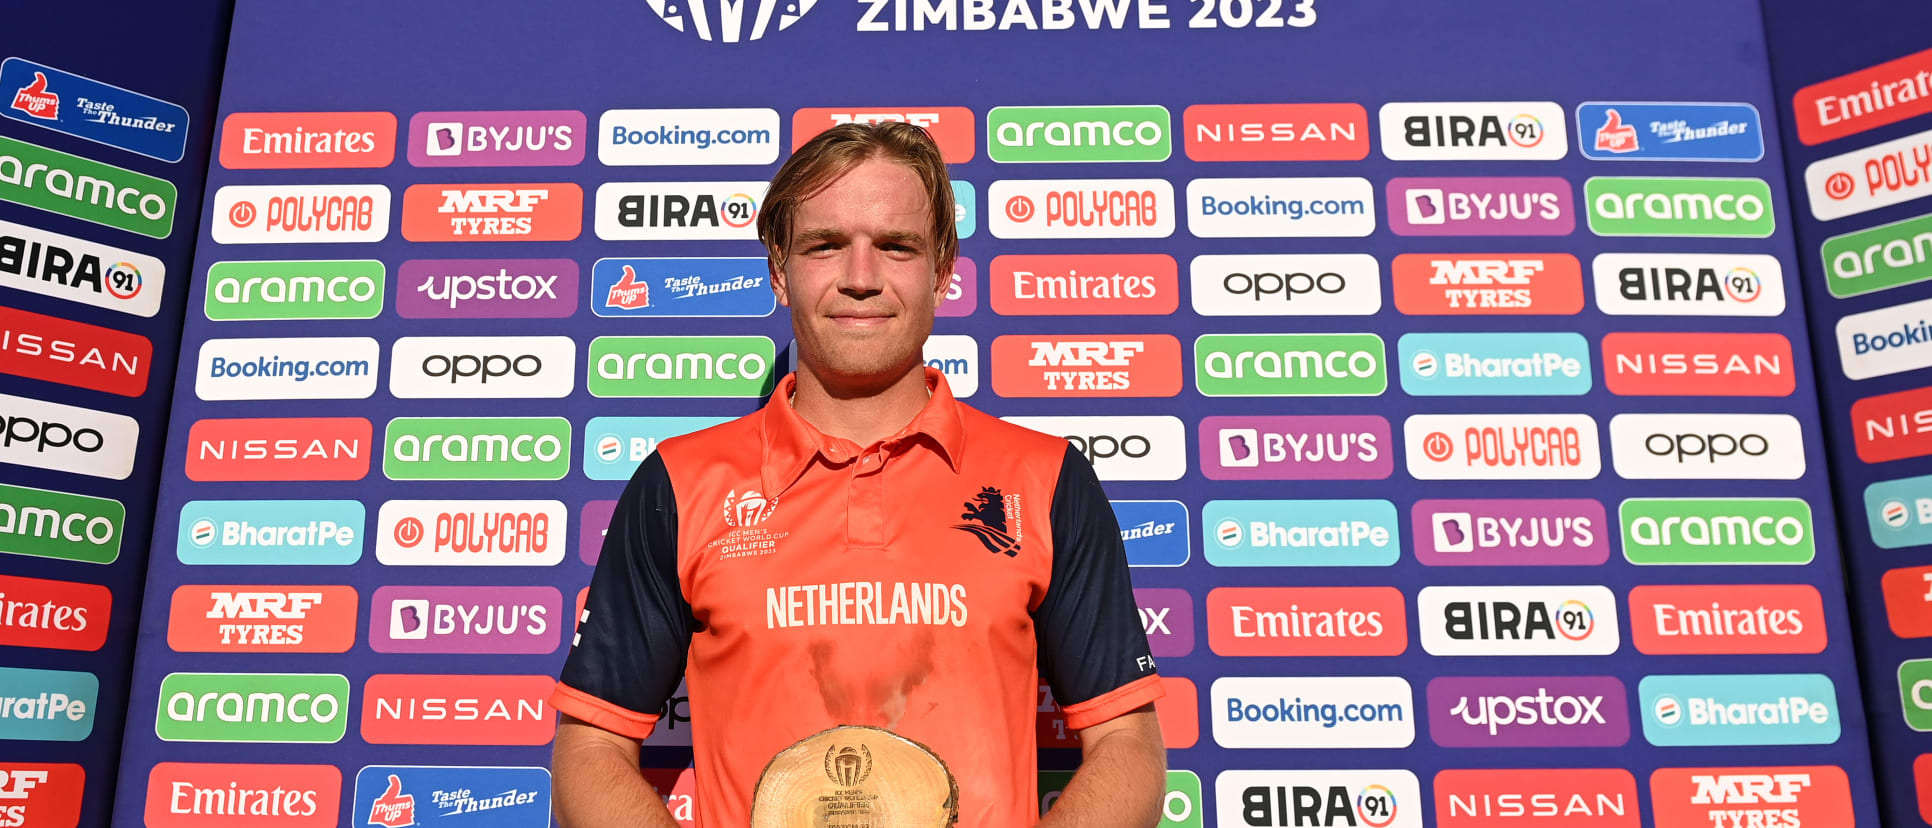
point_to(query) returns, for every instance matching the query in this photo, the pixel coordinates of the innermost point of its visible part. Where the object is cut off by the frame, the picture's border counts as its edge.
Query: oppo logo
(1121, 448)
(66, 438)
(1286, 285)
(483, 366)
(1707, 446)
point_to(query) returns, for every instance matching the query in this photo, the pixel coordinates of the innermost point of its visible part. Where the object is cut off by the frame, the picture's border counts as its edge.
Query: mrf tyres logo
(1517, 620)
(1087, 366)
(476, 448)
(993, 519)
(1769, 796)
(492, 212)
(1488, 284)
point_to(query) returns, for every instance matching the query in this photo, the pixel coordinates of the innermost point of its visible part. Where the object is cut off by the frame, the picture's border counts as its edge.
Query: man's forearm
(596, 785)
(1120, 784)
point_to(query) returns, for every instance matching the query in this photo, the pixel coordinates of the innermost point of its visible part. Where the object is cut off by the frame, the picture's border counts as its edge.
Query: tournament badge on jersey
(855, 776)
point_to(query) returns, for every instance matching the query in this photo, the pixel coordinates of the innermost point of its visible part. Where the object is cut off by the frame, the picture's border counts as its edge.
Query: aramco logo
(724, 20)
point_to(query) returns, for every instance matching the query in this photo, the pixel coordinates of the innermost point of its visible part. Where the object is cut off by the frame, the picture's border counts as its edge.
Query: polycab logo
(1300, 533)
(67, 438)
(1899, 512)
(1779, 709)
(52, 349)
(1528, 711)
(1481, 206)
(487, 289)
(1323, 798)
(262, 619)
(295, 368)
(457, 710)
(1510, 532)
(1488, 284)
(1502, 447)
(41, 794)
(290, 449)
(1106, 208)
(1126, 284)
(1072, 134)
(634, 137)
(1908, 601)
(1727, 619)
(1290, 365)
(1537, 798)
(394, 796)
(468, 367)
(471, 532)
(1313, 284)
(1121, 448)
(1866, 179)
(951, 127)
(1707, 446)
(1688, 284)
(194, 795)
(1280, 207)
(1886, 341)
(1494, 364)
(615, 446)
(1337, 447)
(1155, 532)
(1167, 617)
(1087, 366)
(1670, 132)
(57, 615)
(1877, 258)
(1517, 620)
(58, 525)
(1698, 364)
(77, 270)
(307, 140)
(692, 210)
(48, 705)
(1706, 797)
(1276, 132)
(1330, 712)
(1866, 99)
(733, 286)
(300, 214)
(1487, 131)
(553, 138)
(270, 532)
(1307, 621)
(1700, 207)
(1721, 531)
(507, 620)
(492, 212)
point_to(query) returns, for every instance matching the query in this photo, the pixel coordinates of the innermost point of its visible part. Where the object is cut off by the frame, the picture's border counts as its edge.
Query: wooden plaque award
(855, 777)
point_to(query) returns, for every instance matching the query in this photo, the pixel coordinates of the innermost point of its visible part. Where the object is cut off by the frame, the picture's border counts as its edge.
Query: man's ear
(780, 285)
(943, 281)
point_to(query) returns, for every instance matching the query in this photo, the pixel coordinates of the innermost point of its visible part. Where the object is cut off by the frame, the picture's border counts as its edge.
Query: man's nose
(864, 272)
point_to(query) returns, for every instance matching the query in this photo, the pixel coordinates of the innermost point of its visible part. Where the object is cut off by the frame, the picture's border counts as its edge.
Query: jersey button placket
(865, 527)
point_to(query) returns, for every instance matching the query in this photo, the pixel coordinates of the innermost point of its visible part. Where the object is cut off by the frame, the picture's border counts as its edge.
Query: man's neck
(864, 415)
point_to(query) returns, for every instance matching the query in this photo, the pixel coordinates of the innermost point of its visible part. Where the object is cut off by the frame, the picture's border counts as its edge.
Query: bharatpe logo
(1687, 284)
(252, 707)
(1697, 711)
(87, 190)
(487, 289)
(1067, 134)
(681, 366)
(733, 286)
(294, 290)
(1324, 798)
(1528, 711)
(96, 111)
(395, 796)
(1899, 512)
(69, 527)
(78, 270)
(1300, 712)
(1155, 532)
(1699, 207)
(1877, 258)
(615, 446)
(476, 448)
(1290, 365)
(1693, 531)
(1300, 533)
(1669, 132)
(1494, 364)
(48, 705)
(270, 532)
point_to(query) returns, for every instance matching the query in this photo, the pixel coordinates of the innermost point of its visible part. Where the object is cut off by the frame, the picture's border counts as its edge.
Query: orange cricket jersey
(924, 584)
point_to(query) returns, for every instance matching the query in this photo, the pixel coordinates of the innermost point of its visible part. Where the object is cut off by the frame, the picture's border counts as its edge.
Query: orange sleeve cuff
(596, 711)
(1115, 702)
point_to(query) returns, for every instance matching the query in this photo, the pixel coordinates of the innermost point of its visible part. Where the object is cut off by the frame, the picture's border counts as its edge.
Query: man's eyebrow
(911, 238)
(816, 234)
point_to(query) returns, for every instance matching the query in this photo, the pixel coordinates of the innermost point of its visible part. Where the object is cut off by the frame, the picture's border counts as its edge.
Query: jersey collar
(791, 444)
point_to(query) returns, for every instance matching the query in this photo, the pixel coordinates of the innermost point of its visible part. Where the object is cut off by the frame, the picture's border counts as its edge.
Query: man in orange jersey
(864, 550)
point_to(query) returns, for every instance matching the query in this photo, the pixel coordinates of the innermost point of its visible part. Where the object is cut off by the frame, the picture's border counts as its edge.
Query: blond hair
(837, 151)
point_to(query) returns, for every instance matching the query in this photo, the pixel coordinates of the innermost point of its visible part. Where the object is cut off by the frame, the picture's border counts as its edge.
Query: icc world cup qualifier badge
(855, 777)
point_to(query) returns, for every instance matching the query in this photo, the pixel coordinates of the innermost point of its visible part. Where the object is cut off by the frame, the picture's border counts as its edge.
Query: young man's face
(860, 277)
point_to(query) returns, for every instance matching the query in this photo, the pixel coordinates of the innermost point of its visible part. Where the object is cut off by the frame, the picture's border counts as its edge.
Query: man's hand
(595, 782)
(1122, 777)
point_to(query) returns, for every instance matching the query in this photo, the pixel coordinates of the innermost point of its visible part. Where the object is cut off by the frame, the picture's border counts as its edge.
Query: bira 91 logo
(397, 796)
(67, 438)
(1670, 131)
(307, 140)
(1488, 131)
(1700, 207)
(1300, 533)
(1276, 132)
(1528, 711)
(282, 532)
(52, 349)
(1105, 208)
(1878, 258)
(1886, 341)
(290, 449)
(1494, 364)
(48, 705)
(1537, 798)
(668, 211)
(1310, 284)
(309, 708)
(1121, 448)
(1510, 532)
(457, 710)
(1698, 364)
(194, 795)
(1290, 365)
(951, 127)
(476, 448)
(1307, 621)
(506, 620)
(1688, 284)
(262, 619)
(89, 109)
(1323, 712)
(492, 212)
(1339, 447)
(547, 138)
(1155, 532)
(1703, 531)
(486, 289)
(41, 794)
(58, 525)
(471, 532)
(1517, 620)
(1899, 512)
(1866, 179)
(1707, 446)
(1780, 796)
(1481, 206)
(1319, 798)
(1703, 710)
(1866, 99)
(300, 214)
(681, 287)
(1502, 447)
(58, 615)
(77, 270)
(1280, 207)
(1727, 619)
(1101, 366)
(1549, 284)
(1124, 284)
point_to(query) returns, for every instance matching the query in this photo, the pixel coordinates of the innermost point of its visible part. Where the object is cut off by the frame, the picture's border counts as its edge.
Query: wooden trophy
(855, 777)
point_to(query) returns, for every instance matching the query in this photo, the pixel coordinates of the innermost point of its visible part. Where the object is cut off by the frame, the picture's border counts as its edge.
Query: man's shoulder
(741, 438)
(1011, 444)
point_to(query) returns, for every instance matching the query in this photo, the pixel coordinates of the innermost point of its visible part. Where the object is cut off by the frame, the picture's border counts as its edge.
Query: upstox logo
(614, 446)
(1899, 512)
(1701, 710)
(294, 290)
(476, 448)
(1689, 531)
(1300, 533)
(274, 532)
(1290, 365)
(1494, 364)
(1045, 134)
(68, 527)
(87, 190)
(1877, 258)
(1702, 207)
(681, 366)
(252, 707)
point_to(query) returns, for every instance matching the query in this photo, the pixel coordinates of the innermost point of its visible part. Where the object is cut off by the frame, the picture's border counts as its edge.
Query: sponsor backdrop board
(1858, 173)
(1451, 388)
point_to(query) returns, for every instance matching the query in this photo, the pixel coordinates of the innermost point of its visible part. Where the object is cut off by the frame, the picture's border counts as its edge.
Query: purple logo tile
(432, 619)
(1481, 207)
(1510, 532)
(1528, 711)
(487, 289)
(963, 297)
(1168, 617)
(553, 138)
(596, 516)
(1356, 447)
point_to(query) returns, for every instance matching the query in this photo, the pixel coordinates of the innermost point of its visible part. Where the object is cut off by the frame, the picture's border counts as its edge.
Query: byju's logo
(487, 289)
(1510, 532)
(1155, 532)
(1786, 709)
(726, 20)
(1688, 284)
(1502, 446)
(615, 446)
(1499, 131)
(1300, 533)
(1494, 364)
(695, 210)
(1319, 798)
(270, 532)
(395, 796)
(1481, 206)
(1334, 712)
(1121, 448)
(1517, 620)
(86, 108)
(496, 139)
(1312, 284)
(507, 620)
(78, 270)
(1528, 711)
(1669, 132)
(681, 287)
(1346, 447)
